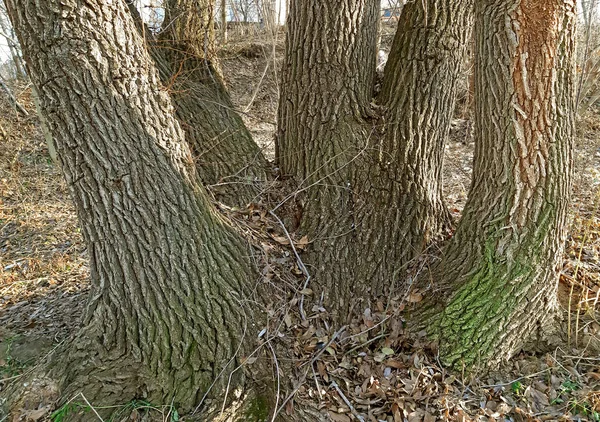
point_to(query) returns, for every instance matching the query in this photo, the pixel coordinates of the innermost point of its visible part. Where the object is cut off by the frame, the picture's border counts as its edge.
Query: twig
(352, 409)
(316, 382)
(504, 384)
(223, 370)
(247, 109)
(13, 99)
(303, 377)
(298, 261)
(278, 386)
(91, 407)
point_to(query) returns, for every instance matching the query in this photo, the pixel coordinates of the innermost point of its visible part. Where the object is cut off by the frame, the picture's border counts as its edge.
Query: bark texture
(405, 210)
(503, 261)
(327, 84)
(171, 280)
(370, 170)
(228, 161)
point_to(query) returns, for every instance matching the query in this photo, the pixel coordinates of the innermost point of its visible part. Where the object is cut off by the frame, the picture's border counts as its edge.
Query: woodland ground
(371, 370)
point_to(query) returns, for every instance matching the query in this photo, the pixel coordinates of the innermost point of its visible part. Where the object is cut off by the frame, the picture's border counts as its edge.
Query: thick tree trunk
(228, 161)
(372, 176)
(171, 281)
(503, 261)
(327, 84)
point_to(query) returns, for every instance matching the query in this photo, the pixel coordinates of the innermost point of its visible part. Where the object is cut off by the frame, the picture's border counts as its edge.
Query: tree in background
(18, 72)
(227, 159)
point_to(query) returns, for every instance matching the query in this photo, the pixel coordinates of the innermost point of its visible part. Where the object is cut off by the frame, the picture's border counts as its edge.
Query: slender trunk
(224, 21)
(418, 97)
(13, 48)
(502, 264)
(227, 159)
(171, 281)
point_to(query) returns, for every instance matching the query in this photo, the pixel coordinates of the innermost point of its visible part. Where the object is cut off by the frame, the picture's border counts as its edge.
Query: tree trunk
(12, 46)
(327, 84)
(228, 161)
(418, 98)
(502, 264)
(371, 175)
(224, 21)
(171, 297)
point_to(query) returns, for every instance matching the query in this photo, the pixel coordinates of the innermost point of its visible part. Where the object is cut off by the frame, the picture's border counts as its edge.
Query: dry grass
(43, 266)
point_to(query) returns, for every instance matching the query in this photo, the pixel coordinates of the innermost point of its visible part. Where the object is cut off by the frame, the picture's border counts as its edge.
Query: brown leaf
(338, 417)
(289, 407)
(429, 417)
(282, 240)
(36, 415)
(395, 364)
(302, 243)
(415, 297)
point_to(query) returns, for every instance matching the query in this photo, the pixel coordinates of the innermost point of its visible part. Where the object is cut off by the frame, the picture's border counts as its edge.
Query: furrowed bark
(502, 264)
(327, 82)
(417, 97)
(171, 281)
(372, 176)
(228, 160)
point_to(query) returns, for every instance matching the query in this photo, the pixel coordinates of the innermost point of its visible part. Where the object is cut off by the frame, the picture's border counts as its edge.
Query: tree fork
(372, 184)
(417, 99)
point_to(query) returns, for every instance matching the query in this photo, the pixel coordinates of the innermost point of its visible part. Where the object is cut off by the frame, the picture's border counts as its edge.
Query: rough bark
(327, 82)
(502, 264)
(228, 161)
(170, 279)
(371, 175)
(418, 97)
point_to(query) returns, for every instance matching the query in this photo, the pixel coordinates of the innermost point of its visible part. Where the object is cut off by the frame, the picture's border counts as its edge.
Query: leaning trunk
(228, 160)
(502, 264)
(171, 281)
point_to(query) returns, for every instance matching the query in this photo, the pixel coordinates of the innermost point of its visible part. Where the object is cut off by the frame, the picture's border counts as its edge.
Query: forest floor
(369, 371)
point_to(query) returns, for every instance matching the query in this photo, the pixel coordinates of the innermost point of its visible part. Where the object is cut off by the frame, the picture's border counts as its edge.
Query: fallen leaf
(338, 417)
(302, 243)
(415, 297)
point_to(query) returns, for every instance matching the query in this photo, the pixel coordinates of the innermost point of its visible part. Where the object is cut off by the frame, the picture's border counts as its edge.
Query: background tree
(502, 264)
(13, 46)
(227, 159)
(171, 291)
